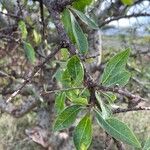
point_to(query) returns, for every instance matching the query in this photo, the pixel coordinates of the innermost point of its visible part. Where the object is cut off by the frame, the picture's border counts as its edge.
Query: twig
(36, 69)
(132, 97)
(120, 110)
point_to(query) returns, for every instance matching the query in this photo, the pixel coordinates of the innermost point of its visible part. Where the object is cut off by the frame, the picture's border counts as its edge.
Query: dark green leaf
(120, 78)
(66, 117)
(29, 52)
(86, 19)
(60, 102)
(67, 24)
(22, 27)
(127, 2)
(118, 130)
(147, 145)
(81, 4)
(115, 66)
(80, 37)
(75, 70)
(83, 133)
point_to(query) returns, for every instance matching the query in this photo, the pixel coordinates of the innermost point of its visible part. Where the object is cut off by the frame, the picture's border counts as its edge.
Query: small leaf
(147, 145)
(60, 102)
(37, 37)
(83, 133)
(29, 52)
(80, 37)
(81, 4)
(22, 27)
(118, 130)
(120, 78)
(66, 117)
(115, 65)
(64, 54)
(75, 70)
(111, 97)
(86, 19)
(72, 96)
(67, 24)
(127, 2)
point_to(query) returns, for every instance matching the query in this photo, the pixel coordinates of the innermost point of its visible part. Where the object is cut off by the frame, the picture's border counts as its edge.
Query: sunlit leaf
(83, 133)
(67, 117)
(118, 130)
(37, 37)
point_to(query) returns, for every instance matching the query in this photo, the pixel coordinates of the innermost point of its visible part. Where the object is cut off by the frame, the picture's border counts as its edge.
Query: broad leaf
(147, 145)
(67, 117)
(115, 65)
(75, 70)
(29, 52)
(86, 19)
(120, 78)
(22, 27)
(60, 102)
(127, 2)
(67, 24)
(81, 4)
(80, 37)
(83, 133)
(118, 130)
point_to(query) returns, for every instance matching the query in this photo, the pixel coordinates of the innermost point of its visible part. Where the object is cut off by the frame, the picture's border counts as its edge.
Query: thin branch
(120, 110)
(124, 16)
(36, 69)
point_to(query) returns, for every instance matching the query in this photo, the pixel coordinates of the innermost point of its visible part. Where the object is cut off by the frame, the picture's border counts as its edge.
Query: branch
(120, 110)
(124, 16)
(133, 98)
(36, 69)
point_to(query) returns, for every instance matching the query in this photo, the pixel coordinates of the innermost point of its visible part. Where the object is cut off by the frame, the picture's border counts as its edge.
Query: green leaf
(127, 2)
(72, 96)
(22, 27)
(81, 4)
(120, 78)
(147, 145)
(60, 102)
(67, 24)
(118, 130)
(75, 70)
(80, 37)
(29, 52)
(106, 112)
(66, 117)
(86, 19)
(64, 54)
(83, 133)
(115, 65)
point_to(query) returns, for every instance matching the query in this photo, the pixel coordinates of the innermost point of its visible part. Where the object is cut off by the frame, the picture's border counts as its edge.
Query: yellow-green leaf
(23, 29)
(127, 2)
